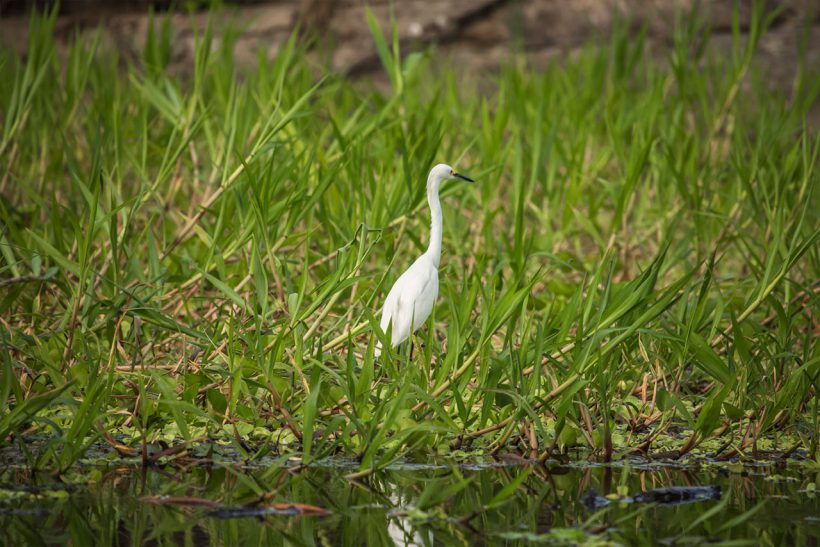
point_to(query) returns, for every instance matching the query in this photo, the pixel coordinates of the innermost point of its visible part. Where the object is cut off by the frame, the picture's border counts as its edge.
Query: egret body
(411, 299)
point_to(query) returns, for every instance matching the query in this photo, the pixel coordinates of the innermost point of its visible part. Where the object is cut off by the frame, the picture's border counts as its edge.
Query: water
(411, 503)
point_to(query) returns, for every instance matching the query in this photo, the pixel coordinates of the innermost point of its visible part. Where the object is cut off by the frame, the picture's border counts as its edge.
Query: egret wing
(407, 302)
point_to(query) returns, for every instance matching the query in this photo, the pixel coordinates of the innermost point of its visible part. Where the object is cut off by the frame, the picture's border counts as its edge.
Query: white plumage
(411, 299)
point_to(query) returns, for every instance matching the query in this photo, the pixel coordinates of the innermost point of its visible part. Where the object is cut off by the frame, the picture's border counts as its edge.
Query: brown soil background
(476, 35)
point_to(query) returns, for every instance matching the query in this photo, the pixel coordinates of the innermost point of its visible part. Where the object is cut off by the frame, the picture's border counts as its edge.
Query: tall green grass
(203, 256)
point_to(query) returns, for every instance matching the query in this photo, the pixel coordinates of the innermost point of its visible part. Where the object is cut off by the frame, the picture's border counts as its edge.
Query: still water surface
(443, 503)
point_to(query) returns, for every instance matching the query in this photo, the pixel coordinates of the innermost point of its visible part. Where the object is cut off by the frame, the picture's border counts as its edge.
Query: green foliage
(204, 255)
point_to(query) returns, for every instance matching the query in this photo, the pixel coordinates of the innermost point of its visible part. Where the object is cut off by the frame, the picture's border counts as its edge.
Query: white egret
(410, 301)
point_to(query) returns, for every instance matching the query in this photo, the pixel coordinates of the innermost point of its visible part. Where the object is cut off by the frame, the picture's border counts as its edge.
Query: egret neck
(434, 248)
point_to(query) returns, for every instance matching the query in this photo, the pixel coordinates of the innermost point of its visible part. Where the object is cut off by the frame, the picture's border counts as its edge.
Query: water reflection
(408, 504)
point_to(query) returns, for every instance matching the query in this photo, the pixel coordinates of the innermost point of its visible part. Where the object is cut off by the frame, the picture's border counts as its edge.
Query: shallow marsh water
(410, 503)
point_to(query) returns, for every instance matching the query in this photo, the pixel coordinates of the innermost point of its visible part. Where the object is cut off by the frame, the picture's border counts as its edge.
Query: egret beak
(463, 177)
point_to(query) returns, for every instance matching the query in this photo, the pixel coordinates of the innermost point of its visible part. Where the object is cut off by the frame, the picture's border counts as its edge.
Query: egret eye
(452, 172)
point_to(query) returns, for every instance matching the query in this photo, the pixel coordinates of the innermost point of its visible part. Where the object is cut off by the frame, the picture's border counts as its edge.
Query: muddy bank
(476, 34)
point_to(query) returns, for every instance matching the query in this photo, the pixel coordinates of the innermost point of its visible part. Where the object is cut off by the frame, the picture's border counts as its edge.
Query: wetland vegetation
(192, 264)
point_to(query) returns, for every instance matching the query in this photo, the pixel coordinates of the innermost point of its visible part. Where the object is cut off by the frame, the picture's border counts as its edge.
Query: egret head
(442, 172)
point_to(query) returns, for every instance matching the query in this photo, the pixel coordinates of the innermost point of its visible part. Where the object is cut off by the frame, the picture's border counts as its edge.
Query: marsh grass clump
(199, 258)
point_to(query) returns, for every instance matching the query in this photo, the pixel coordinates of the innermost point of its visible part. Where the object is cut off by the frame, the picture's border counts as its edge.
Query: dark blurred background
(475, 34)
(16, 7)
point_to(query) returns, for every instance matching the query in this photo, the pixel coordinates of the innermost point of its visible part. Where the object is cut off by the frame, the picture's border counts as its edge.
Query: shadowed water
(446, 503)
